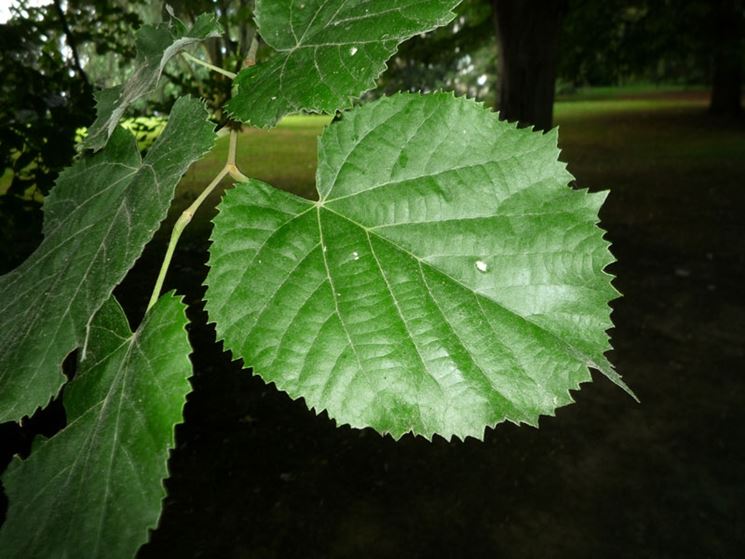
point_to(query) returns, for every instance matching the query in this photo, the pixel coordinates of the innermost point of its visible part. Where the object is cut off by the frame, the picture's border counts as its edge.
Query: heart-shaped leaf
(328, 52)
(447, 279)
(95, 489)
(156, 45)
(98, 218)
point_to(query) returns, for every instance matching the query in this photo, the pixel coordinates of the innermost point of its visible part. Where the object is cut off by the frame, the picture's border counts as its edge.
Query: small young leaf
(155, 47)
(447, 279)
(328, 52)
(98, 218)
(96, 488)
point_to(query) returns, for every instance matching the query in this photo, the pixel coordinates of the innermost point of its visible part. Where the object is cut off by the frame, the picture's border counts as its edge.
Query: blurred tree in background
(659, 41)
(618, 41)
(528, 36)
(511, 53)
(724, 31)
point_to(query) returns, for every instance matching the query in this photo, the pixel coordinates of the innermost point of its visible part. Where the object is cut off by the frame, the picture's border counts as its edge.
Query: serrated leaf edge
(607, 370)
(349, 100)
(40, 441)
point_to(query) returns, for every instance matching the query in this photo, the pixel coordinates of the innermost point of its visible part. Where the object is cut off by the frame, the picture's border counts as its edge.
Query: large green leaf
(95, 488)
(98, 218)
(156, 45)
(328, 52)
(447, 279)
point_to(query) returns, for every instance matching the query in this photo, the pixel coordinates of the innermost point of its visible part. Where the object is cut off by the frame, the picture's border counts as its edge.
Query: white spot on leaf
(353, 51)
(482, 266)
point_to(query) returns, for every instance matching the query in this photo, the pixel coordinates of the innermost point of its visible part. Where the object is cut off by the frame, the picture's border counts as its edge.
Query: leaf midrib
(97, 409)
(333, 289)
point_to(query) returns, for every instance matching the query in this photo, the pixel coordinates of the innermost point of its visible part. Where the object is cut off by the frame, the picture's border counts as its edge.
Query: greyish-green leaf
(96, 488)
(328, 52)
(156, 45)
(447, 279)
(98, 218)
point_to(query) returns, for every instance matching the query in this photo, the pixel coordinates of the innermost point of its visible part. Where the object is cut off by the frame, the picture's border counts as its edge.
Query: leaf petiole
(186, 216)
(178, 228)
(212, 67)
(230, 165)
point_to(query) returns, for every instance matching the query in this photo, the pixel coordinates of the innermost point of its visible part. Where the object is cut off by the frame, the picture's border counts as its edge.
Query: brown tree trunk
(528, 35)
(726, 84)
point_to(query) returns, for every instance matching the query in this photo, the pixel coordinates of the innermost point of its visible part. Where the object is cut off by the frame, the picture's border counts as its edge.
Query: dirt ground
(256, 475)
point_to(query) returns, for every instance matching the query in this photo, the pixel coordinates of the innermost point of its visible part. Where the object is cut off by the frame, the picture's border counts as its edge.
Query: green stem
(186, 216)
(178, 228)
(232, 147)
(230, 165)
(212, 67)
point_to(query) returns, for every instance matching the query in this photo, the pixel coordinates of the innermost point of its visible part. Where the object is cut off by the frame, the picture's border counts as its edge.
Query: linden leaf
(447, 279)
(98, 218)
(156, 45)
(96, 488)
(328, 52)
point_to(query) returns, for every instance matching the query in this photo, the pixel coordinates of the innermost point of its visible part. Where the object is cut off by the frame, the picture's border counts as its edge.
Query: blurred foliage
(46, 96)
(145, 130)
(609, 42)
(461, 56)
(55, 56)
(620, 41)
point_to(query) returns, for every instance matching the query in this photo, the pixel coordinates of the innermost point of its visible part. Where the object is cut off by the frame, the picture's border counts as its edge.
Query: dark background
(649, 104)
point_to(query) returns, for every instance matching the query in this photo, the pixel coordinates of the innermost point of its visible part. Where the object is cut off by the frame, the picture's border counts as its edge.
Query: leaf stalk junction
(230, 168)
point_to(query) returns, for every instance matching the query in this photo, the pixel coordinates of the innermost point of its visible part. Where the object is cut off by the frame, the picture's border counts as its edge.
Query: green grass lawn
(654, 154)
(637, 90)
(655, 138)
